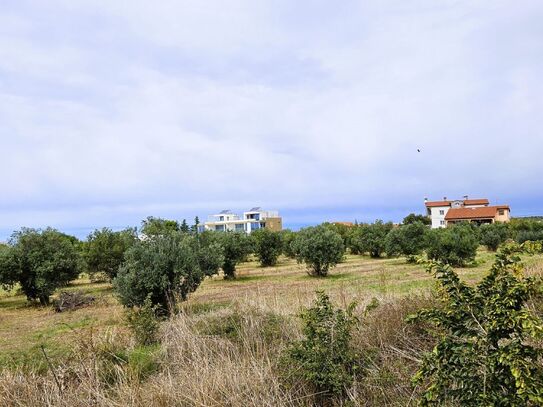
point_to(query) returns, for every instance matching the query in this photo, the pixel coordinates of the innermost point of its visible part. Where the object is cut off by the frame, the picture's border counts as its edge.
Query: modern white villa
(447, 212)
(253, 219)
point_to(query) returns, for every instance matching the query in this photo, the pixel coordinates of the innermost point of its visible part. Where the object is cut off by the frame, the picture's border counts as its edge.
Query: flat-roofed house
(446, 212)
(253, 219)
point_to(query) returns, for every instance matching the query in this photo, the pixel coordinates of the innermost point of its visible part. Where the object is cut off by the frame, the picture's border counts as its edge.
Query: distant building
(447, 212)
(253, 219)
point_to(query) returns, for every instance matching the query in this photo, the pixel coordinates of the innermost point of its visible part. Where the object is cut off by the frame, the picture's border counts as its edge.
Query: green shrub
(287, 237)
(104, 250)
(165, 269)
(236, 246)
(370, 238)
(486, 354)
(40, 261)
(492, 235)
(268, 246)
(407, 240)
(414, 218)
(324, 358)
(319, 248)
(455, 245)
(143, 323)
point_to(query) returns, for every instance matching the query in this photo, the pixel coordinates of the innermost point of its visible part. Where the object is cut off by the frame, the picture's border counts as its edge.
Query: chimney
(465, 197)
(425, 199)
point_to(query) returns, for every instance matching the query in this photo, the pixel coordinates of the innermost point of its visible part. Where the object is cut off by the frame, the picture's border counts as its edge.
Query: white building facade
(437, 210)
(253, 219)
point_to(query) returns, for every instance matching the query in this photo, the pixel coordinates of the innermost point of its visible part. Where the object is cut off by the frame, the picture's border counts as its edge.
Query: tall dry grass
(229, 356)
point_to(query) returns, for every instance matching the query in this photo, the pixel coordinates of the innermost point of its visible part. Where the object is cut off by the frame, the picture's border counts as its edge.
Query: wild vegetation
(171, 330)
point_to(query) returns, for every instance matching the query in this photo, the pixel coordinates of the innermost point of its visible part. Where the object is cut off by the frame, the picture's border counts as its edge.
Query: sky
(112, 111)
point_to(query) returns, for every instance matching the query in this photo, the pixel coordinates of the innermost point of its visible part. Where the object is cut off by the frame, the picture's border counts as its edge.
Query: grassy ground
(226, 347)
(26, 328)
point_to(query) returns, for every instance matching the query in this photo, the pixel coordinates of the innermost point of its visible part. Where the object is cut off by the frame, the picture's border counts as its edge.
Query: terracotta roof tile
(483, 212)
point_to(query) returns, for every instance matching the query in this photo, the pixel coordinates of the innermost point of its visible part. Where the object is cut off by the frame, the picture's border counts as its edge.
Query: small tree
(268, 246)
(159, 227)
(324, 358)
(40, 261)
(236, 246)
(287, 237)
(455, 245)
(486, 354)
(104, 250)
(165, 269)
(407, 240)
(414, 218)
(371, 238)
(319, 248)
(184, 227)
(493, 235)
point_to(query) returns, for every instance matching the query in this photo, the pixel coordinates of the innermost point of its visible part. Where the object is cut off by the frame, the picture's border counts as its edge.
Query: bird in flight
(418, 149)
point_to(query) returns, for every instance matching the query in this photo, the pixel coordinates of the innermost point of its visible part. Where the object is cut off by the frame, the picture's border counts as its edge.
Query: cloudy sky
(113, 110)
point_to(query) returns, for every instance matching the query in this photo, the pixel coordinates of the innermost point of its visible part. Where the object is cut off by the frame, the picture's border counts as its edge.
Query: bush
(40, 261)
(235, 246)
(324, 358)
(407, 240)
(143, 323)
(493, 235)
(165, 269)
(268, 246)
(287, 237)
(370, 238)
(159, 227)
(413, 218)
(486, 353)
(104, 250)
(455, 245)
(319, 248)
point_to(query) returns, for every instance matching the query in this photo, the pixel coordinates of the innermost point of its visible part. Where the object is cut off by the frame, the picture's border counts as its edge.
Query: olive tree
(104, 250)
(287, 237)
(320, 248)
(157, 226)
(493, 235)
(455, 245)
(236, 246)
(40, 261)
(165, 269)
(407, 240)
(268, 246)
(370, 238)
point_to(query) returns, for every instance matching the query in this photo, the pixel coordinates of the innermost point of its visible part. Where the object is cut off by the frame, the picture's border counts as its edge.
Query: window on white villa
(442, 211)
(442, 222)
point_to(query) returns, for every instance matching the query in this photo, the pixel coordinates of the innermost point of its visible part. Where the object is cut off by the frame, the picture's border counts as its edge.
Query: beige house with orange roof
(447, 212)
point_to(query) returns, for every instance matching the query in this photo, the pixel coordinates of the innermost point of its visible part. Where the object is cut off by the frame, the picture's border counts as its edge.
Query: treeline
(166, 260)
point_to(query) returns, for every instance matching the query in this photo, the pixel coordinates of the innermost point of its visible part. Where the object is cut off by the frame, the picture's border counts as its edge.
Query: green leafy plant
(455, 245)
(486, 353)
(165, 269)
(407, 240)
(143, 323)
(324, 359)
(493, 235)
(268, 246)
(319, 248)
(40, 261)
(370, 238)
(236, 246)
(104, 250)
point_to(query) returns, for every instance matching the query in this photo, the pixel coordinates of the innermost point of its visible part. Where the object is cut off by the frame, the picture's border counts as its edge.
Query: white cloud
(110, 110)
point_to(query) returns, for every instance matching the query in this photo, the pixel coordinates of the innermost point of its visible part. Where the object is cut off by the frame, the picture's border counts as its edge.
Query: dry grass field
(223, 349)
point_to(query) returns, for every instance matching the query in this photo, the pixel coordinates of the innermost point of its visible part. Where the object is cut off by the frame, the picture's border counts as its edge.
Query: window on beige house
(501, 212)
